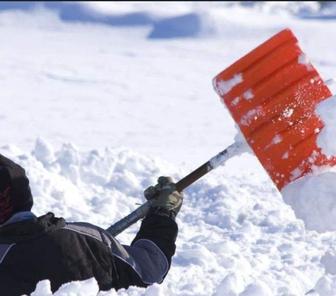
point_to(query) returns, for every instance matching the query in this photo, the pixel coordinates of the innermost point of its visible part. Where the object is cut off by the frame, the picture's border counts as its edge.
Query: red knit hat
(15, 194)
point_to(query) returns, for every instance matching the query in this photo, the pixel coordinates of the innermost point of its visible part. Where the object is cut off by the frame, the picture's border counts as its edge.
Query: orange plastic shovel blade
(272, 93)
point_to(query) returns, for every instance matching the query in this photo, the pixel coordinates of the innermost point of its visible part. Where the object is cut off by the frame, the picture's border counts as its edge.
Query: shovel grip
(192, 177)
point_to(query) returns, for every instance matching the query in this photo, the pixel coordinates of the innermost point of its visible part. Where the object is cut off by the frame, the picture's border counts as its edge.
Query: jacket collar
(18, 217)
(29, 228)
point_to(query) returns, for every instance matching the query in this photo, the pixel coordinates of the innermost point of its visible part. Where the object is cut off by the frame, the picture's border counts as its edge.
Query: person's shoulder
(88, 230)
(50, 221)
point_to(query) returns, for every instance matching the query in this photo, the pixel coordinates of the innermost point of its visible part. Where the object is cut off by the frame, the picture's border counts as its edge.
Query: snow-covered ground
(100, 100)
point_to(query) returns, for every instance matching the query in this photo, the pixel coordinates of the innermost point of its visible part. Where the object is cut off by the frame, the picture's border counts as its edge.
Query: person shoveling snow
(37, 248)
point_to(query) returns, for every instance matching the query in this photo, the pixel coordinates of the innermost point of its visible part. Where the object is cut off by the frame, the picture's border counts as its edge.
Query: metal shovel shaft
(213, 163)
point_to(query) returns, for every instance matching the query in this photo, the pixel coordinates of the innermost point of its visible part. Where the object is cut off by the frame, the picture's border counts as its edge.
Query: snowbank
(171, 20)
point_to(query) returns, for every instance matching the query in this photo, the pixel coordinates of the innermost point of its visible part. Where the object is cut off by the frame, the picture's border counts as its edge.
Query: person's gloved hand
(165, 199)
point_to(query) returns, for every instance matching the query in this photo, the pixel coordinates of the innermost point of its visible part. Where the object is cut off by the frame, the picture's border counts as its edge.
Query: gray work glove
(165, 199)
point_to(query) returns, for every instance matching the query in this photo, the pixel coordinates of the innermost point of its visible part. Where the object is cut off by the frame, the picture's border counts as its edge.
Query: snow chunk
(327, 112)
(277, 139)
(250, 116)
(230, 286)
(329, 262)
(303, 60)
(42, 288)
(312, 198)
(285, 155)
(296, 173)
(257, 289)
(288, 112)
(224, 86)
(326, 286)
(248, 95)
(43, 152)
(88, 287)
(235, 101)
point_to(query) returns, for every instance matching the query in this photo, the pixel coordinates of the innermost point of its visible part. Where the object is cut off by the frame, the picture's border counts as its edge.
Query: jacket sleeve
(147, 260)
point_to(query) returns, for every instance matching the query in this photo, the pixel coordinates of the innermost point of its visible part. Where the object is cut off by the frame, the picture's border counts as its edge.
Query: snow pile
(313, 197)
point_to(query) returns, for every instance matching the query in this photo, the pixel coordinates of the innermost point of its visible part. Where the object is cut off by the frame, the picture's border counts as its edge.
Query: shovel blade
(272, 93)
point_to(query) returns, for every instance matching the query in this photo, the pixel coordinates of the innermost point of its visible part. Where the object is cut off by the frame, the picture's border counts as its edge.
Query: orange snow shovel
(272, 93)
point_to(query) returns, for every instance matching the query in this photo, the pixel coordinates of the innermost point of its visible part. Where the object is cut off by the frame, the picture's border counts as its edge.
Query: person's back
(37, 248)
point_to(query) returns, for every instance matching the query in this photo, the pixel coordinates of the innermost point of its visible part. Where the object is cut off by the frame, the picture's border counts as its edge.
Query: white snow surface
(313, 199)
(225, 86)
(97, 110)
(326, 110)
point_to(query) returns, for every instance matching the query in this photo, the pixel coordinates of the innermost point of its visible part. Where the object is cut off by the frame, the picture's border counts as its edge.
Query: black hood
(13, 178)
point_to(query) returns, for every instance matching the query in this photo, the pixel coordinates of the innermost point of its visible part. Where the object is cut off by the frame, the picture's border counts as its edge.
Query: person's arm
(148, 259)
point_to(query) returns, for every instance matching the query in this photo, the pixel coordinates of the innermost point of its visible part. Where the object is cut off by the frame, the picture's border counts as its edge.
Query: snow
(250, 116)
(326, 110)
(303, 59)
(233, 150)
(235, 101)
(96, 108)
(329, 262)
(248, 95)
(276, 140)
(224, 86)
(285, 155)
(313, 199)
(288, 112)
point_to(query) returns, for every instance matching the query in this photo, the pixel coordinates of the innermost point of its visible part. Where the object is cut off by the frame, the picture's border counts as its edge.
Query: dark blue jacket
(50, 248)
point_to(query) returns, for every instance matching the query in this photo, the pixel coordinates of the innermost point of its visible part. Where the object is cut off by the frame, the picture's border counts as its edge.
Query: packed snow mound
(312, 198)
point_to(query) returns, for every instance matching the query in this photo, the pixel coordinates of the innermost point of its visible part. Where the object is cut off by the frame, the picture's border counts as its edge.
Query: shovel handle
(141, 212)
